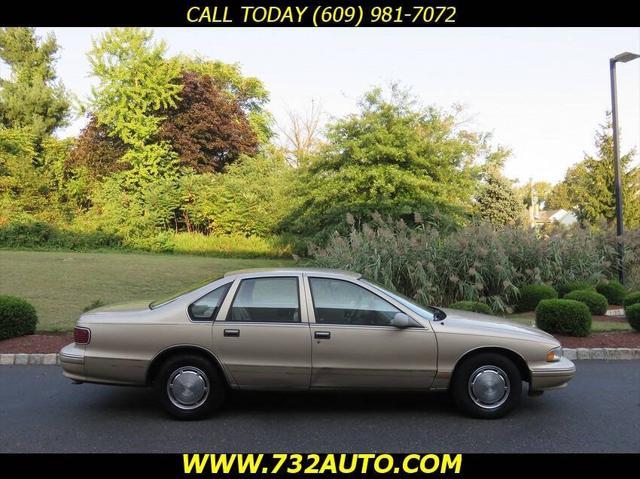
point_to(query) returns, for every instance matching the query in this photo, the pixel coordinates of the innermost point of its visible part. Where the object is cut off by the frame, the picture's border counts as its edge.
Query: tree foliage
(97, 151)
(250, 197)
(497, 202)
(32, 97)
(135, 82)
(207, 128)
(590, 184)
(250, 93)
(393, 157)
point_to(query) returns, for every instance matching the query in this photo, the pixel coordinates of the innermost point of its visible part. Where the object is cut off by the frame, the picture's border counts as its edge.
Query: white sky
(542, 92)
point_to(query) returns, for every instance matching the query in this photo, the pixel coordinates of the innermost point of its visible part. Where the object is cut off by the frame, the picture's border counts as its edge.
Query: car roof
(271, 271)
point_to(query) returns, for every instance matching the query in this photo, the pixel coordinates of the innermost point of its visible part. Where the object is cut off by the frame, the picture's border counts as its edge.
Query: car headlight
(554, 355)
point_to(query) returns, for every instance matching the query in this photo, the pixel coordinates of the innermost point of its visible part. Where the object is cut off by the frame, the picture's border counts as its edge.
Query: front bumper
(552, 375)
(72, 361)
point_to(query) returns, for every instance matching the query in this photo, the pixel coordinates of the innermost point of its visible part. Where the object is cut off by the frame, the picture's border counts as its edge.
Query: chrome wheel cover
(188, 387)
(489, 387)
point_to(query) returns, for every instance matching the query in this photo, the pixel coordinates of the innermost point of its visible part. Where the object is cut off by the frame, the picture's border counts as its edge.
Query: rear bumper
(72, 361)
(552, 375)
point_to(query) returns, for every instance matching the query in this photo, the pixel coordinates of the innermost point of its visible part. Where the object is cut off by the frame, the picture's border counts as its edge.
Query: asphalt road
(41, 411)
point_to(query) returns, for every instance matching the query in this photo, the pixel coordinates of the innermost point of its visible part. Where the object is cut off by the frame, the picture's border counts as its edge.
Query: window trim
(359, 285)
(287, 323)
(214, 316)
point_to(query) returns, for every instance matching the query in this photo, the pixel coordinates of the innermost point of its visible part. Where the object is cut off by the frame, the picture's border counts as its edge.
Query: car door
(262, 335)
(354, 344)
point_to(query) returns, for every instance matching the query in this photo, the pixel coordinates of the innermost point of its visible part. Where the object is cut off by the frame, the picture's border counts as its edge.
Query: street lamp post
(624, 58)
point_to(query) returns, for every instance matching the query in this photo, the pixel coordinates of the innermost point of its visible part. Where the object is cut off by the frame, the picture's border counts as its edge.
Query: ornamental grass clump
(477, 263)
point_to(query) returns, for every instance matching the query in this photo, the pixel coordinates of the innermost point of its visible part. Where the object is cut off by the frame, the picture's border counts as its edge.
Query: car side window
(341, 302)
(273, 300)
(206, 308)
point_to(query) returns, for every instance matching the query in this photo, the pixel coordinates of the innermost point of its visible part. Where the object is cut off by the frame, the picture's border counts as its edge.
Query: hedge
(633, 316)
(631, 299)
(17, 317)
(563, 316)
(613, 291)
(474, 306)
(596, 302)
(566, 288)
(532, 294)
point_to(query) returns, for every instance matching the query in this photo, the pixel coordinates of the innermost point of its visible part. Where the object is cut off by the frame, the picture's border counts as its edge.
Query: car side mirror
(401, 321)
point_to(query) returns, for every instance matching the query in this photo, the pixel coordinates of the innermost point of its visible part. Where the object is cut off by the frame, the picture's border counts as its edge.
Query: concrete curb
(601, 353)
(577, 354)
(22, 359)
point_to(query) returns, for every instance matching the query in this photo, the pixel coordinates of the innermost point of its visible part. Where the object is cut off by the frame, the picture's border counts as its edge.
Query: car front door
(262, 334)
(354, 344)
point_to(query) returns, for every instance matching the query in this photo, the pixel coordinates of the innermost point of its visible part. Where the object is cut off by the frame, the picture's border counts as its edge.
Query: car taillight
(81, 335)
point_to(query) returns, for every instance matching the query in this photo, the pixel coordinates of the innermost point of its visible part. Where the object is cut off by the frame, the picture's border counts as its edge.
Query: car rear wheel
(487, 385)
(189, 387)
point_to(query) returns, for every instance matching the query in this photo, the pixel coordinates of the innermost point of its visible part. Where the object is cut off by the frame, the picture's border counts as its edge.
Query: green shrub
(612, 290)
(631, 299)
(596, 302)
(563, 316)
(633, 316)
(565, 288)
(17, 317)
(41, 235)
(532, 294)
(231, 245)
(474, 306)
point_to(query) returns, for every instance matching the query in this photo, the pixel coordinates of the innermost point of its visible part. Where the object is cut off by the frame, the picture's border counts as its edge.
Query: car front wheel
(487, 385)
(189, 387)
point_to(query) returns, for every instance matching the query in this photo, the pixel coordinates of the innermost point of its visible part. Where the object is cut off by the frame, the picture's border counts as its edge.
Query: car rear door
(354, 345)
(262, 333)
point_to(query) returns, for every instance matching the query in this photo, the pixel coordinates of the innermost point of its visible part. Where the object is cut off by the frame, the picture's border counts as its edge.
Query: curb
(575, 354)
(601, 353)
(22, 359)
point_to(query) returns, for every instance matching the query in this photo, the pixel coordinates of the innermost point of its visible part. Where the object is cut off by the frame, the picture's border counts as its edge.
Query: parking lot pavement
(41, 411)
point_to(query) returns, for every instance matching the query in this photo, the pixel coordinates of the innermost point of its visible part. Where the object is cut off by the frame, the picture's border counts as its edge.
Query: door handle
(322, 335)
(233, 333)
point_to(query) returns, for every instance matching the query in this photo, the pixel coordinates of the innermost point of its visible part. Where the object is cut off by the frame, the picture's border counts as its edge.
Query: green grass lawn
(529, 319)
(61, 284)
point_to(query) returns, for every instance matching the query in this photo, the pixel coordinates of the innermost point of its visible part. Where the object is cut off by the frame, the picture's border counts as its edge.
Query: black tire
(201, 388)
(500, 373)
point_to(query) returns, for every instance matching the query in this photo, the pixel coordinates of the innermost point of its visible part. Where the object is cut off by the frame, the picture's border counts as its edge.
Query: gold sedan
(309, 329)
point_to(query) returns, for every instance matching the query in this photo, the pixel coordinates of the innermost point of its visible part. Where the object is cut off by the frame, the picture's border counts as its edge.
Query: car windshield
(426, 312)
(167, 299)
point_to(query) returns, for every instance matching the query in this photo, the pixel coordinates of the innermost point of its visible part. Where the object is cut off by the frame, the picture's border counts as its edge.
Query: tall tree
(393, 157)
(590, 183)
(98, 151)
(558, 198)
(497, 202)
(301, 135)
(32, 97)
(207, 128)
(135, 82)
(249, 92)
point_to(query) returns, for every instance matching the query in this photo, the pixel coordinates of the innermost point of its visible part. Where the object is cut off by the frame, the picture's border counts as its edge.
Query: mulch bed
(613, 339)
(36, 343)
(612, 319)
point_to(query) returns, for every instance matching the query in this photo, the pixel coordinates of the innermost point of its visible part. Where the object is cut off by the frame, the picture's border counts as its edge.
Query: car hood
(493, 326)
(130, 307)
